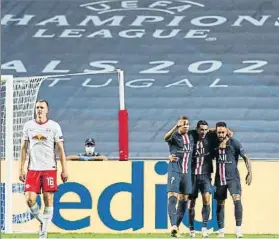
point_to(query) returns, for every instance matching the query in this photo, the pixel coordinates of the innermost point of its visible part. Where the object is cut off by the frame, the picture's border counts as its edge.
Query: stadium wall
(113, 197)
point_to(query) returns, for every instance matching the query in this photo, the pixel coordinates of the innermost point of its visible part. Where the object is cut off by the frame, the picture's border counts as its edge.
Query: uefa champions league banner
(113, 197)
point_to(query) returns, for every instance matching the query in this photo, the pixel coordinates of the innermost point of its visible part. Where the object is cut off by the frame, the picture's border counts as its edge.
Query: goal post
(9, 151)
(18, 99)
(122, 121)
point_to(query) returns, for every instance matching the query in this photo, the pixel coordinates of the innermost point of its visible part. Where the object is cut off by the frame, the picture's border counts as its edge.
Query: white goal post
(18, 98)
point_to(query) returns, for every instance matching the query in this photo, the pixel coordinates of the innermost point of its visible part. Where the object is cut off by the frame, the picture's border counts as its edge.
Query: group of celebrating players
(189, 171)
(190, 167)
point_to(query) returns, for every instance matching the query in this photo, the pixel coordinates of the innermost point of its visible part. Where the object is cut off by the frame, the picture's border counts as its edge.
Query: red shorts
(37, 181)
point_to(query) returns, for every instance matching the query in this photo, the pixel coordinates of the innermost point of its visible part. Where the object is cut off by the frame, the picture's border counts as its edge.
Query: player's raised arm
(169, 134)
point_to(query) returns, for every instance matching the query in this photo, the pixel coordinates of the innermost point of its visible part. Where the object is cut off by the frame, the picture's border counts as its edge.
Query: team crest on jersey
(39, 137)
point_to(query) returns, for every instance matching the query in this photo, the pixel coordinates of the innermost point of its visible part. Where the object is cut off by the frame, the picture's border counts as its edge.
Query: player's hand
(180, 123)
(22, 176)
(105, 158)
(172, 157)
(249, 178)
(223, 144)
(64, 176)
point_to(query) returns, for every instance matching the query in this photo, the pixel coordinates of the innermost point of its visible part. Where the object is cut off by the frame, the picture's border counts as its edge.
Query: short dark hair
(183, 117)
(221, 124)
(43, 101)
(201, 122)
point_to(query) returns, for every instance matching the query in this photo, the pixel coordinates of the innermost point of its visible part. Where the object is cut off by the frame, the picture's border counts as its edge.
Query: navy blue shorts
(200, 183)
(233, 185)
(179, 183)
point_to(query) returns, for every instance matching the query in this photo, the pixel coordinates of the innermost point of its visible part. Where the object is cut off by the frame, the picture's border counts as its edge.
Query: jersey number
(50, 181)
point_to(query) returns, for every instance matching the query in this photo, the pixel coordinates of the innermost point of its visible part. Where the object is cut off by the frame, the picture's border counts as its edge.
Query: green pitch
(131, 235)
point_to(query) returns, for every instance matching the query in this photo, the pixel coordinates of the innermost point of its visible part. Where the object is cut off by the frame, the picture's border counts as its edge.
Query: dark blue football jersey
(182, 147)
(203, 154)
(227, 161)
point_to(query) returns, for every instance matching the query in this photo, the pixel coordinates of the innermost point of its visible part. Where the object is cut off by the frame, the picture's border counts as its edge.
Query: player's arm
(23, 154)
(249, 169)
(170, 133)
(247, 161)
(58, 138)
(62, 157)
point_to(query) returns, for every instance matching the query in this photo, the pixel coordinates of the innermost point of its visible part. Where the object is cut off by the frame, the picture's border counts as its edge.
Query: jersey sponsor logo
(39, 137)
(187, 148)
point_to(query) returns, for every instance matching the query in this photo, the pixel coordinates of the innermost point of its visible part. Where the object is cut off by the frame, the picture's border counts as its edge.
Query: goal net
(18, 99)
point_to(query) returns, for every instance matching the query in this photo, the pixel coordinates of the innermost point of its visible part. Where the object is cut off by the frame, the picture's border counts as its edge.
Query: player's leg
(173, 191)
(32, 187)
(48, 213)
(205, 188)
(181, 208)
(221, 195)
(185, 190)
(191, 205)
(191, 214)
(234, 187)
(49, 184)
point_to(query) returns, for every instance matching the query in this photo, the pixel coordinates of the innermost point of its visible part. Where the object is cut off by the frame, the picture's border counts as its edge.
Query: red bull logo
(39, 137)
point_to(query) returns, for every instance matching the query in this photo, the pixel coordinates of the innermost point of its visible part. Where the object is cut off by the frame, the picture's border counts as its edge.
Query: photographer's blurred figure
(90, 154)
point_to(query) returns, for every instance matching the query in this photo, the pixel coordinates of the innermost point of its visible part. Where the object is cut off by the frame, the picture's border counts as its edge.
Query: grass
(125, 235)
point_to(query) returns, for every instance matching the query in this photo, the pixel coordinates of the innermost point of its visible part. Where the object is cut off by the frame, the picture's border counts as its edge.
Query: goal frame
(9, 153)
(123, 147)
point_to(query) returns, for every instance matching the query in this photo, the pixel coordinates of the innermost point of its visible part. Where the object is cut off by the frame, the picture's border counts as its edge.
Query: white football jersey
(42, 139)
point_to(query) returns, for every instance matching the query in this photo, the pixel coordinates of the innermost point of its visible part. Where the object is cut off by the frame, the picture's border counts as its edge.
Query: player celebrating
(40, 136)
(179, 171)
(202, 167)
(228, 178)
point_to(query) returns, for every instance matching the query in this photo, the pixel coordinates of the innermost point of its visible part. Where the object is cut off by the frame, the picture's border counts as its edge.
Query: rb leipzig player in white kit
(40, 138)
